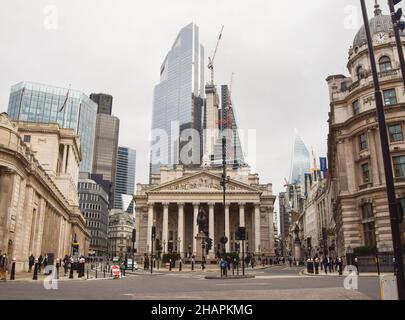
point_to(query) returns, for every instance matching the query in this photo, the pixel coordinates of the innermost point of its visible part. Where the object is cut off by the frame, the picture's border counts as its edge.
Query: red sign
(116, 271)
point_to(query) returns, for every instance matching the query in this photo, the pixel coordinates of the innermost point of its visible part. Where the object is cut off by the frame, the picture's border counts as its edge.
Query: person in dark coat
(40, 259)
(31, 262)
(45, 261)
(3, 267)
(325, 264)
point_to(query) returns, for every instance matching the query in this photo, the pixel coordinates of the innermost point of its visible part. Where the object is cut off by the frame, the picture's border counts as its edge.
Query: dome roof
(379, 23)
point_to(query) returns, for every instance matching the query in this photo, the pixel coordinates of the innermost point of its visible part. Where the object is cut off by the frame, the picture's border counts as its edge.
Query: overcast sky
(280, 51)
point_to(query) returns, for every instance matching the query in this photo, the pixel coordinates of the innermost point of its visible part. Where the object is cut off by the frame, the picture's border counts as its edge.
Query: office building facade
(178, 99)
(40, 103)
(125, 179)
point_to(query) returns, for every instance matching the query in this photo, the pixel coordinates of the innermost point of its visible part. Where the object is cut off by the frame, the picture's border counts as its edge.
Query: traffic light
(153, 233)
(209, 244)
(133, 235)
(397, 16)
(241, 233)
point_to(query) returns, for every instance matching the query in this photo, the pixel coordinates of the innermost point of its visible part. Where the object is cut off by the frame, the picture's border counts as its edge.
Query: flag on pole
(66, 100)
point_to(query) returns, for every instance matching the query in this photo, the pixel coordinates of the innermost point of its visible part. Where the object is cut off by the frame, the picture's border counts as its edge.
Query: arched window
(359, 72)
(385, 64)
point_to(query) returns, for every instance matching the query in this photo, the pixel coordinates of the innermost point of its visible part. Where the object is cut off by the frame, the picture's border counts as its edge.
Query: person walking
(3, 267)
(316, 262)
(40, 259)
(330, 263)
(45, 262)
(325, 264)
(290, 261)
(66, 264)
(31, 261)
(224, 267)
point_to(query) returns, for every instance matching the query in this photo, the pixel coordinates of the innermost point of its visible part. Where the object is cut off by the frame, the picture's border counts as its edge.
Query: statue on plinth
(202, 222)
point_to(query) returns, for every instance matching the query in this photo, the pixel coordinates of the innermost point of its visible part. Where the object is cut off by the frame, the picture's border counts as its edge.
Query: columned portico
(176, 204)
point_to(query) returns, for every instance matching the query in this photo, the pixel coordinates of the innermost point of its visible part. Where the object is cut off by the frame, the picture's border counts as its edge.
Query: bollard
(192, 265)
(57, 268)
(104, 272)
(35, 276)
(87, 272)
(71, 271)
(96, 274)
(180, 265)
(170, 266)
(12, 274)
(111, 273)
(233, 269)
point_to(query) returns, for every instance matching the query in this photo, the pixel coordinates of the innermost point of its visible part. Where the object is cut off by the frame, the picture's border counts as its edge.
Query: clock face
(381, 37)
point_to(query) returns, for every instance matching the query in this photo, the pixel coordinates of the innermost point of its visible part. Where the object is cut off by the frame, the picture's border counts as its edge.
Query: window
(359, 72)
(27, 138)
(365, 170)
(368, 225)
(385, 64)
(363, 141)
(369, 234)
(390, 97)
(356, 107)
(396, 133)
(399, 166)
(367, 211)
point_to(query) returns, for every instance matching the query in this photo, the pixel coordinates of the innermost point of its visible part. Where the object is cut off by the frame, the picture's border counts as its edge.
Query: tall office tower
(104, 102)
(106, 141)
(125, 179)
(301, 162)
(227, 122)
(178, 101)
(33, 102)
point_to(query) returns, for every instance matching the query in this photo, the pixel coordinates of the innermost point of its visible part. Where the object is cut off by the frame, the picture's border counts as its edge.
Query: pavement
(277, 282)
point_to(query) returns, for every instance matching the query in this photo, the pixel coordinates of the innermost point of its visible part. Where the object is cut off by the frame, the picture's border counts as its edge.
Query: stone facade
(39, 211)
(120, 226)
(171, 203)
(356, 184)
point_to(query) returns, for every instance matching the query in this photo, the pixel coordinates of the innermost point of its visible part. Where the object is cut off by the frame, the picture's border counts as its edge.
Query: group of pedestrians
(42, 262)
(327, 264)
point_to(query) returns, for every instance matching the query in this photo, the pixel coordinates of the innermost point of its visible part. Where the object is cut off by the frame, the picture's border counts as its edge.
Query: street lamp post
(392, 202)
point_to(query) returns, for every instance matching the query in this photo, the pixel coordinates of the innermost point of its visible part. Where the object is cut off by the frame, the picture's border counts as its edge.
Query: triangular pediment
(203, 181)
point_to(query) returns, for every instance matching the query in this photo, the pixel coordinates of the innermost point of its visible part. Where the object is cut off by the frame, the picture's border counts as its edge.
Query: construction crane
(211, 60)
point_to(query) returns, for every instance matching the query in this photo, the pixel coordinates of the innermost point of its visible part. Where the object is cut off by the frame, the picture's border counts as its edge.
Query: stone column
(180, 228)
(195, 227)
(227, 231)
(241, 214)
(212, 229)
(257, 228)
(138, 215)
(150, 224)
(165, 231)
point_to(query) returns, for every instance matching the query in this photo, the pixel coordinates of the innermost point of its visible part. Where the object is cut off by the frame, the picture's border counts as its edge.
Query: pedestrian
(40, 259)
(330, 263)
(252, 262)
(31, 261)
(3, 267)
(316, 262)
(290, 261)
(224, 267)
(325, 264)
(45, 261)
(66, 264)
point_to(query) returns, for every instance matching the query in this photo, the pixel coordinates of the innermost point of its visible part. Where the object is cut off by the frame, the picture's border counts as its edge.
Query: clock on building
(381, 37)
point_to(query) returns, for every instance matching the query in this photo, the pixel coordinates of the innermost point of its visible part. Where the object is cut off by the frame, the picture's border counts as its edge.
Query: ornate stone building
(171, 203)
(356, 181)
(120, 226)
(39, 208)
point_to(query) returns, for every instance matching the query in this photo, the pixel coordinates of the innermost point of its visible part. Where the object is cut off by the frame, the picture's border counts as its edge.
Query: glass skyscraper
(125, 179)
(35, 102)
(178, 98)
(301, 163)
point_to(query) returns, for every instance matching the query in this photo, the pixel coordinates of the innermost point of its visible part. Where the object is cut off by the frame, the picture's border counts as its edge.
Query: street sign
(116, 271)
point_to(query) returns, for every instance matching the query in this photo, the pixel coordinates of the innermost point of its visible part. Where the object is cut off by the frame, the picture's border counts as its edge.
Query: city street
(275, 283)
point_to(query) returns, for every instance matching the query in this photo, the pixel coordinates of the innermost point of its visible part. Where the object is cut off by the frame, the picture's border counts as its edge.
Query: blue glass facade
(41, 103)
(125, 179)
(301, 163)
(177, 98)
